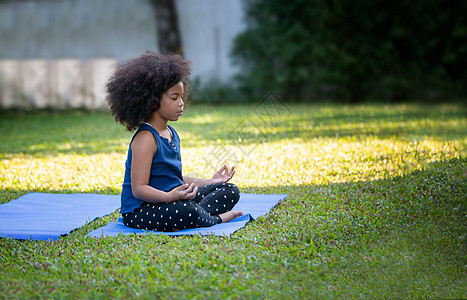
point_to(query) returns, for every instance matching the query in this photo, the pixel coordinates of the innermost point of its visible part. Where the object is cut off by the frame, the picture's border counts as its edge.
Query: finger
(183, 192)
(223, 169)
(191, 195)
(181, 187)
(230, 173)
(189, 188)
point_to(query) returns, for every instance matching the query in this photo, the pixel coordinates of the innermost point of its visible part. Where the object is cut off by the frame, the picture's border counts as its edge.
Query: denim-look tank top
(166, 168)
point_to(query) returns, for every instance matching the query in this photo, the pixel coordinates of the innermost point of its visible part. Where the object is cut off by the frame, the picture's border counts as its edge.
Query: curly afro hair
(135, 84)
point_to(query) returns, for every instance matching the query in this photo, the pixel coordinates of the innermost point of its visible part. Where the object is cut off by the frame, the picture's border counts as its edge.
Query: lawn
(375, 206)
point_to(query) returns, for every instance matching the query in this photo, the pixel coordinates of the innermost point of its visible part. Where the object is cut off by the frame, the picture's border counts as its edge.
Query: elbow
(138, 192)
(147, 193)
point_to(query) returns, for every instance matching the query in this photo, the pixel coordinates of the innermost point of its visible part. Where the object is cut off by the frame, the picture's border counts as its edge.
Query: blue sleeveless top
(166, 168)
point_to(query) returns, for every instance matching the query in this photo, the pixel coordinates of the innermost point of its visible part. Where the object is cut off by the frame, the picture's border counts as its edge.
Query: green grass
(376, 205)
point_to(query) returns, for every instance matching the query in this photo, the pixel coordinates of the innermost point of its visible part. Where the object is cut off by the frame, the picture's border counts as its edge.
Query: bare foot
(230, 215)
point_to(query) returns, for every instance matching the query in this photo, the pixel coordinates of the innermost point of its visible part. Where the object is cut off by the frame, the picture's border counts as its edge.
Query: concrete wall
(208, 28)
(60, 53)
(83, 29)
(58, 84)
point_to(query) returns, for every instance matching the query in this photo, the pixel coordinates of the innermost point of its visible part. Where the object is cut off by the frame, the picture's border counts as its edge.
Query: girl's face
(172, 103)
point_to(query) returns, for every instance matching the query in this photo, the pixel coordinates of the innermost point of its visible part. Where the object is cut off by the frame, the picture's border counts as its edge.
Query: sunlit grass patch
(318, 161)
(63, 172)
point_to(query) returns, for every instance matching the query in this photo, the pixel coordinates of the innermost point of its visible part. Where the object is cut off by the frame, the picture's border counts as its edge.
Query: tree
(167, 26)
(354, 50)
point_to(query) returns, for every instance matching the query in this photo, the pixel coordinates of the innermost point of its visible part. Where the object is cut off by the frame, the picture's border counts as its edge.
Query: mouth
(179, 113)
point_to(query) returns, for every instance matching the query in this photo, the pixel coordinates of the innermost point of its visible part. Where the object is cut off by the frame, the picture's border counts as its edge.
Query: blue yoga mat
(44, 216)
(252, 205)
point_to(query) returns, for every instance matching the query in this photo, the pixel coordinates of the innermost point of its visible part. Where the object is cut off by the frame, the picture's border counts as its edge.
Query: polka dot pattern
(202, 211)
(220, 197)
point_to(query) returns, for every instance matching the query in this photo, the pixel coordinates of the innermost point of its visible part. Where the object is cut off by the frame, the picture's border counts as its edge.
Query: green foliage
(215, 92)
(375, 206)
(354, 50)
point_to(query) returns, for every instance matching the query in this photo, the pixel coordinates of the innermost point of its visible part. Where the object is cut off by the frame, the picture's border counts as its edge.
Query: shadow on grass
(401, 236)
(308, 122)
(423, 204)
(75, 132)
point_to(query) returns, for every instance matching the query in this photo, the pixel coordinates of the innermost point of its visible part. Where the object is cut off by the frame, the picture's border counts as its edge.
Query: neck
(158, 124)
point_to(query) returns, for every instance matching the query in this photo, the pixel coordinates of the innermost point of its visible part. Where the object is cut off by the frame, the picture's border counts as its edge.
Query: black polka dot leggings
(201, 211)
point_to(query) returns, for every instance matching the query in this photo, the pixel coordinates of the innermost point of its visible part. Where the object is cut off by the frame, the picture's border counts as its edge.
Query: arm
(143, 148)
(223, 175)
(196, 181)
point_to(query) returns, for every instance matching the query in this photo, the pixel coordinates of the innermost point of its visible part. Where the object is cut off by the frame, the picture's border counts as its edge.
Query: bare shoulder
(144, 141)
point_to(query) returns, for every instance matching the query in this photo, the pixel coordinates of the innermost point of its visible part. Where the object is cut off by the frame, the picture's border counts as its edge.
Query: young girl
(146, 93)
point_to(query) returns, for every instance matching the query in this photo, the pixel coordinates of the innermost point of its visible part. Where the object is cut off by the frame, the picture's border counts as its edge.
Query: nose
(181, 102)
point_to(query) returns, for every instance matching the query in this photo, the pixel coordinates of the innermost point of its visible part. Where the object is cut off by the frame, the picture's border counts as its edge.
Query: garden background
(356, 110)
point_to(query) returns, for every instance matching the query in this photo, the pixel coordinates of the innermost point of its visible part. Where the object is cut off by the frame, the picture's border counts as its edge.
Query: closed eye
(175, 96)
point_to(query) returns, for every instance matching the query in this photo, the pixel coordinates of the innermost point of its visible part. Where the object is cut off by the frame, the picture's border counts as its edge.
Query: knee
(234, 190)
(193, 211)
(128, 221)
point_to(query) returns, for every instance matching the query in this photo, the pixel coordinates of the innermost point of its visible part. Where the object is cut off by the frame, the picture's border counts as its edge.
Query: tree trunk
(167, 27)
